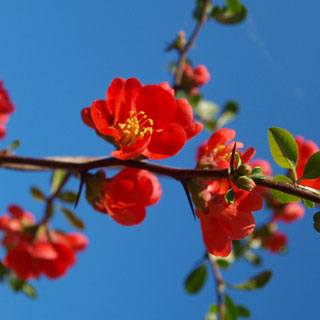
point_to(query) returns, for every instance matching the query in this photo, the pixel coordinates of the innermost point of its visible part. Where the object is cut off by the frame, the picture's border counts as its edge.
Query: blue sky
(58, 56)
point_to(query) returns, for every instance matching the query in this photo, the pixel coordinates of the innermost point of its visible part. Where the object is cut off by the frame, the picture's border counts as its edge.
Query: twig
(219, 286)
(183, 52)
(82, 164)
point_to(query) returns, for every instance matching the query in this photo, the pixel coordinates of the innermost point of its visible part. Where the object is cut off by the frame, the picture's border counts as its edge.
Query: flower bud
(245, 183)
(244, 170)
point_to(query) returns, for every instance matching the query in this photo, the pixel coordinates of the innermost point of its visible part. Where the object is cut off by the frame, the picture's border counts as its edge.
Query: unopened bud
(245, 183)
(244, 170)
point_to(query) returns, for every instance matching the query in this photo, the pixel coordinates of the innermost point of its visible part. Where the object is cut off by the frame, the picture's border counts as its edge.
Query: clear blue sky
(56, 57)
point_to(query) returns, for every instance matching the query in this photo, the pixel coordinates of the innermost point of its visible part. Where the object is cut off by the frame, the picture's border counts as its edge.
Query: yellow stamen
(136, 127)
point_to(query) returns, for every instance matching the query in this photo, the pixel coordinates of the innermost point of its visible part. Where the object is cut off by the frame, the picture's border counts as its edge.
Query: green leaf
(14, 145)
(223, 264)
(57, 178)
(231, 310)
(196, 279)
(312, 167)
(227, 16)
(243, 312)
(68, 196)
(20, 285)
(254, 283)
(229, 197)
(234, 5)
(256, 171)
(308, 204)
(280, 196)
(37, 194)
(229, 112)
(73, 219)
(214, 309)
(316, 219)
(283, 148)
(207, 110)
(252, 258)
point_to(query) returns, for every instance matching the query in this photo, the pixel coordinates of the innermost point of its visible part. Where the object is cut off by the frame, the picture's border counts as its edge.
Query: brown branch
(183, 52)
(83, 164)
(219, 286)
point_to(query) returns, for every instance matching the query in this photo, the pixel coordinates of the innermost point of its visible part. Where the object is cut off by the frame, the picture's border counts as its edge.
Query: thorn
(186, 190)
(82, 179)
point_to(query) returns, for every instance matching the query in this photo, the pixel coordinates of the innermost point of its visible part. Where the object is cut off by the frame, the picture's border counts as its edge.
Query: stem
(50, 200)
(83, 164)
(183, 52)
(219, 286)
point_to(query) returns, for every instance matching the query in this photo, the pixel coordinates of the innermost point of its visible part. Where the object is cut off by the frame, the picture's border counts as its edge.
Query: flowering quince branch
(82, 164)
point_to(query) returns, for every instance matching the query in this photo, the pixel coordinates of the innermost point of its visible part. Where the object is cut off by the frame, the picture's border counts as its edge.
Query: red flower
(142, 120)
(306, 149)
(6, 107)
(30, 251)
(125, 196)
(194, 78)
(290, 212)
(225, 221)
(275, 242)
(222, 222)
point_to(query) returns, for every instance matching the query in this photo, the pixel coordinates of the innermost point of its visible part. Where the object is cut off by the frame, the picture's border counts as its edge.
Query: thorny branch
(84, 164)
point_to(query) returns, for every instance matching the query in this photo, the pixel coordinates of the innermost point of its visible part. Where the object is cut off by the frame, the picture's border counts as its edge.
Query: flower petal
(220, 137)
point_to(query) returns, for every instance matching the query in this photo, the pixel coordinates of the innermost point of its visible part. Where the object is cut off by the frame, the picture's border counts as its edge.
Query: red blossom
(193, 78)
(125, 196)
(222, 222)
(31, 252)
(306, 149)
(6, 107)
(275, 242)
(142, 120)
(289, 212)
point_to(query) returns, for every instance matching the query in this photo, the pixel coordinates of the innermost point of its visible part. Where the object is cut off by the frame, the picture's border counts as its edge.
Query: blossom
(222, 222)
(125, 196)
(193, 78)
(275, 242)
(306, 149)
(32, 251)
(6, 107)
(142, 120)
(289, 212)
(225, 222)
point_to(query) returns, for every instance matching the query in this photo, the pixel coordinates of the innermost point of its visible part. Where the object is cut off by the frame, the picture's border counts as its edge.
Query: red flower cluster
(125, 196)
(220, 221)
(32, 251)
(142, 120)
(6, 107)
(194, 78)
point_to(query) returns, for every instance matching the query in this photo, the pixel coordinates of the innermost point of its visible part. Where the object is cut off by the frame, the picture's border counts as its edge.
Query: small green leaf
(229, 112)
(254, 283)
(14, 145)
(234, 5)
(20, 285)
(227, 16)
(256, 170)
(57, 178)
(68, 196)
(73, 219)
(283, 148)
(231, 312)
(243, 312)
(37, 194)
(196, 279)
(207, 110)
(308, 204)
(253, 258)
(316, 219)
(214, 309)
(280, 196)
(312, 167)
(223, 264)
(229, 197)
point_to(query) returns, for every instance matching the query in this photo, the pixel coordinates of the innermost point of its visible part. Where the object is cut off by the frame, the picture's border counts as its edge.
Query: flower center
(136, 127)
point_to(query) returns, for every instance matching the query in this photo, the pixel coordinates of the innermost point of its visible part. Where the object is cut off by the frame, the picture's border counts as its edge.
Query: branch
(84, 164)
(183, 52)
(220, 285)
